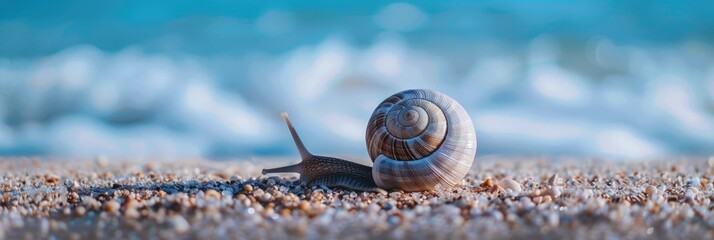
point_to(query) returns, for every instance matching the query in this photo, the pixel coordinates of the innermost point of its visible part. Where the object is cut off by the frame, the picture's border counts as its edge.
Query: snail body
(416, 139)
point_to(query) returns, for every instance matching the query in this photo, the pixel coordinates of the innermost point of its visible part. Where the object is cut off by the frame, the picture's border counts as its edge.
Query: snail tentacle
(296, 168)
(304, 153)
(328, 171)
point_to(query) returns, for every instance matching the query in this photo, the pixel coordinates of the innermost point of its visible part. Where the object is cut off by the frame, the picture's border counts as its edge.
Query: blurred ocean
(142, 79)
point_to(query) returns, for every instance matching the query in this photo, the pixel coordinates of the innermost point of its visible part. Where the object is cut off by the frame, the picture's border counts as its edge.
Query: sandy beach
(502, 197)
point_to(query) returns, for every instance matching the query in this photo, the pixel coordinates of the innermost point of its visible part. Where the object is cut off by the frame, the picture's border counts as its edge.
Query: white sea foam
(84, 101)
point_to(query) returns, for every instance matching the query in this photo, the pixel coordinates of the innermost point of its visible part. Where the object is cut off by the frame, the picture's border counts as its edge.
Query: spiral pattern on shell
(420, 138)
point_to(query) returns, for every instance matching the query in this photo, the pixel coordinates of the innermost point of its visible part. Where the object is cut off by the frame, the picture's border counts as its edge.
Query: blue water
(180, 79)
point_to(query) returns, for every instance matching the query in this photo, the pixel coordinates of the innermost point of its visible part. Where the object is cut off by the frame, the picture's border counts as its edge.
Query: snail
(416, 139)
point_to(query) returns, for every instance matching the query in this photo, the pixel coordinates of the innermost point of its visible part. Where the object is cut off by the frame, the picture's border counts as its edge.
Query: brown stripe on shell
(418, 146)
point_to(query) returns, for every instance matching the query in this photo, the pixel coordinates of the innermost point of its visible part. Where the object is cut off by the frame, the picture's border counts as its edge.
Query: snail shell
(418, 139)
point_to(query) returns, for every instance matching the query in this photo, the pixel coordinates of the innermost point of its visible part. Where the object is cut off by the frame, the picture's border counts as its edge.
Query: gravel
(502, 197)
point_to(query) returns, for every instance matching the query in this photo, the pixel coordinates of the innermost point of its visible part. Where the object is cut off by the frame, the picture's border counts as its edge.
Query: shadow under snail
(416, 139)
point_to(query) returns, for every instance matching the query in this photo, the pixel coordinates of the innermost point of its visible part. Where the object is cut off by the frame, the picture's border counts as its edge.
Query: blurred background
(170, 79)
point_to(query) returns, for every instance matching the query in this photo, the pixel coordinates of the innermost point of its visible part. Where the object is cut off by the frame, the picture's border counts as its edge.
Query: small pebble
(226, 193)
(487, 183)
(304, 205)
(210, 193)
(555, 180)
(555, 191)
(179, 224)
(111, 206)
(80, 211)
(650, 191)
(246, 202)
(236, 178)
(510, 184)
(266, 197)
(258, 192)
